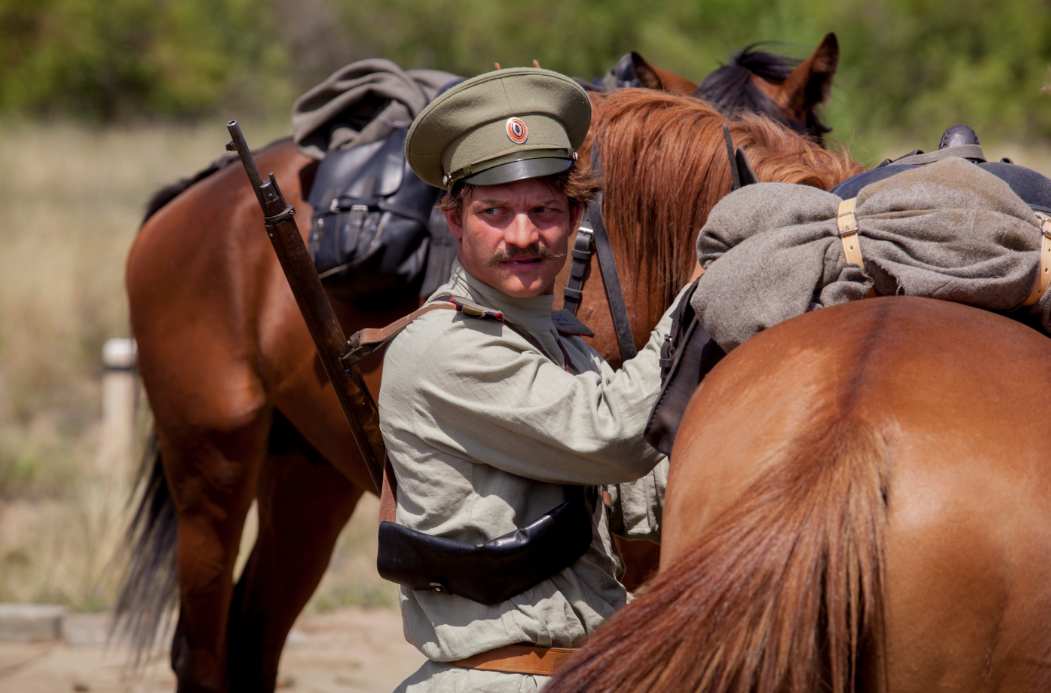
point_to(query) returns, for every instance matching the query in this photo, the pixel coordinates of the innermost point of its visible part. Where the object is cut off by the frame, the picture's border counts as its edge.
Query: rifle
(303, 279)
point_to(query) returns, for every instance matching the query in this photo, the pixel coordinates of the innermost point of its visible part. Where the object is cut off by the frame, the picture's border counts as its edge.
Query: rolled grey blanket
(949, 230)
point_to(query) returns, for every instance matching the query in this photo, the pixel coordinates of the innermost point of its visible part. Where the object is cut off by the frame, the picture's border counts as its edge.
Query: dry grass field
(73, 199)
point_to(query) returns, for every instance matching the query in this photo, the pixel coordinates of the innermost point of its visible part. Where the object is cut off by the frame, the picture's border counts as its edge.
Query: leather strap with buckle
(518, 659)
(1043, 277)
(847, 221)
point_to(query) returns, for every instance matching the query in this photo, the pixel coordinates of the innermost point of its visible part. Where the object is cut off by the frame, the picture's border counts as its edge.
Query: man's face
(514, 237)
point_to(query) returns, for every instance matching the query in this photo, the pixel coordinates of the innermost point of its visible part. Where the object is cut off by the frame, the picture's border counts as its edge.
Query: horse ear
(809, 84)
(654, 78)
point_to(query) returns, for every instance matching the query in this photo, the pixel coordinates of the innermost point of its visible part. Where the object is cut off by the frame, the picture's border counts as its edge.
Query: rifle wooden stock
(331, 342)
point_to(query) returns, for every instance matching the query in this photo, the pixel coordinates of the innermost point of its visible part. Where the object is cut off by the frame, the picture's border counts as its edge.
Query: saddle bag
(492, 572)
(375, 227)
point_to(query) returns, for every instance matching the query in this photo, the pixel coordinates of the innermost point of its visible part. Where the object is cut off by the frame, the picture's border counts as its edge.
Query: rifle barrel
(331, 343)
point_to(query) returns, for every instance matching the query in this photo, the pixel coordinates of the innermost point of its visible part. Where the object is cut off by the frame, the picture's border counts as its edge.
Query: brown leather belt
(518, 659)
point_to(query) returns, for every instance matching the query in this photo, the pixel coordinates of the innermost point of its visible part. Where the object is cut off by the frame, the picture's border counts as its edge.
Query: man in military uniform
(488, 420)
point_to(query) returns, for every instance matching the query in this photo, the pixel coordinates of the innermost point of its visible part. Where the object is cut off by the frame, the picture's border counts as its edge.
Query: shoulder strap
(389, 492)
(365, 341)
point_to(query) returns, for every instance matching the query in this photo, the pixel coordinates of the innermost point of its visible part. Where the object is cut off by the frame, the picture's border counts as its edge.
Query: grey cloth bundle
(949, 230)
(361, 103)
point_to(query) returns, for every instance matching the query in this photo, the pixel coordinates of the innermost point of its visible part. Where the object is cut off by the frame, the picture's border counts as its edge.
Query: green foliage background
(909, 68)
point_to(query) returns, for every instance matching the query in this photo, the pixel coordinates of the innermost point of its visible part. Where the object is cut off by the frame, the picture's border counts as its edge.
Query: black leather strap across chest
(593, 238)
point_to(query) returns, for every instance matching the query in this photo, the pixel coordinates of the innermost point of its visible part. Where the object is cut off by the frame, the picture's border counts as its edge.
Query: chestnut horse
(860, 500)
(243, 411)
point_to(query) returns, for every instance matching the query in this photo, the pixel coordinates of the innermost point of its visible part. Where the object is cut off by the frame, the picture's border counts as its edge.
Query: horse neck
(665, 166)
(639, 275)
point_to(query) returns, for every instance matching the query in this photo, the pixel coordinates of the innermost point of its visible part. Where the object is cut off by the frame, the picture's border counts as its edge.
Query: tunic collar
(530, 314)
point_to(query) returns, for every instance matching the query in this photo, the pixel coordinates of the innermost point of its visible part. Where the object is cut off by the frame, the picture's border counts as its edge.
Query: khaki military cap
(500, 127)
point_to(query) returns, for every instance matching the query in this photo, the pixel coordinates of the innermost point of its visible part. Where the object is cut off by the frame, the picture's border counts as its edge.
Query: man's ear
(452, 218)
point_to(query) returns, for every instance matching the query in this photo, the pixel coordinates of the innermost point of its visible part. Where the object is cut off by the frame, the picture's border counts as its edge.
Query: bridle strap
(581, 258)
(592, 234)
(735, 174)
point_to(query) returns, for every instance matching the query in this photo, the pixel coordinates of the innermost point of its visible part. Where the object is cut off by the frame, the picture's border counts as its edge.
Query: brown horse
(859, 501)
(243, 410)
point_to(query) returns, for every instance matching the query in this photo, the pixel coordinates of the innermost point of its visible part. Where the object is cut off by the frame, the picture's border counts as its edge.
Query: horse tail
(778, 594)
(149, 583)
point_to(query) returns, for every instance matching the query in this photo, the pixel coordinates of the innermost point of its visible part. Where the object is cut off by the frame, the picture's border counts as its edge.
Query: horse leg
(212, 480)
(303, 504)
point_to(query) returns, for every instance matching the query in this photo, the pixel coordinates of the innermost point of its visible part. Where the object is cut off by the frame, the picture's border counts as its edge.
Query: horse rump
(735, 612)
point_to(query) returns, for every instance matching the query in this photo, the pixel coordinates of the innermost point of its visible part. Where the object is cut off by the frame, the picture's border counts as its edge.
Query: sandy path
(344, 651)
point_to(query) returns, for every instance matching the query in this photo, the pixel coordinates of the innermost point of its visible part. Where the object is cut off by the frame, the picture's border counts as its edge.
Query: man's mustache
(535, 250)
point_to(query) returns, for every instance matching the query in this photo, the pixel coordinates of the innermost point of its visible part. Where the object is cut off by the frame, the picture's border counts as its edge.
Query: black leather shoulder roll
(492, 572)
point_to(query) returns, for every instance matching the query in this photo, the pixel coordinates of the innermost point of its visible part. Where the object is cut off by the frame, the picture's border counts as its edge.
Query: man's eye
(491, 211)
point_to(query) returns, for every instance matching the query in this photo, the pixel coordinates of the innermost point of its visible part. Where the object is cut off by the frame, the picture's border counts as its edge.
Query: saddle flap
(334, 172)
(386, 167)
(372, 170)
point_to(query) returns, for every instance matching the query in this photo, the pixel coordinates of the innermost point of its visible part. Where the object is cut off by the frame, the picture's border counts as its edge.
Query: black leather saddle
(375, 228)
(1033, 187)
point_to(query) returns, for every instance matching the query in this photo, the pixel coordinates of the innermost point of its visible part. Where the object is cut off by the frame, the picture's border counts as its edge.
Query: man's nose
(521, 232)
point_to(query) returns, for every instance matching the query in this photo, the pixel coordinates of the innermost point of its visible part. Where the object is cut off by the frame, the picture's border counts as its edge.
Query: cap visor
(519, 170)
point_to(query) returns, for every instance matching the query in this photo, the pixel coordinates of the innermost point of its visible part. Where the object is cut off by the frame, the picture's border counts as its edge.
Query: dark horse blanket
(948, 230)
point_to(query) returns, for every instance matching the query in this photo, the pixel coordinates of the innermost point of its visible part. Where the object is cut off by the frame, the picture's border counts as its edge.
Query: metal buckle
(584, 229)
(1045, 224)
(853, 229)
(358, 215)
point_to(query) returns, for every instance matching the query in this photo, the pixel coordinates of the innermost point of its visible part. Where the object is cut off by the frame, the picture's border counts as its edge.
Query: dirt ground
(343, 651)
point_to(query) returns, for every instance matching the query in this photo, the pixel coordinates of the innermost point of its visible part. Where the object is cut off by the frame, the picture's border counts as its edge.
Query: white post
(118, 406)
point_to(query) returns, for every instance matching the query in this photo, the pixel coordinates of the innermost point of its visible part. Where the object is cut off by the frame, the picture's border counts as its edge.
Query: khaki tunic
(482, 429)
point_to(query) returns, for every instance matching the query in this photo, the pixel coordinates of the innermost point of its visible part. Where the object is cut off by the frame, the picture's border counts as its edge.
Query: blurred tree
(109, 59)
(908, 67)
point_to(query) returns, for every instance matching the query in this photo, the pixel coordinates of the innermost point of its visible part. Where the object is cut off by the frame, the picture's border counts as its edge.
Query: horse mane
(778, 595)
(731, 88)
(665, 166)
(168, 193)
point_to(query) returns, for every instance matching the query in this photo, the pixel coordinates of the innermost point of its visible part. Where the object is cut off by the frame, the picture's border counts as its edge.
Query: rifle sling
(365, 341)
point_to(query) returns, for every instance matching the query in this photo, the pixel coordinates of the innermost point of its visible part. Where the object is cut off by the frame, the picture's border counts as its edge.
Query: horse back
(937, 407)
(205, 290)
